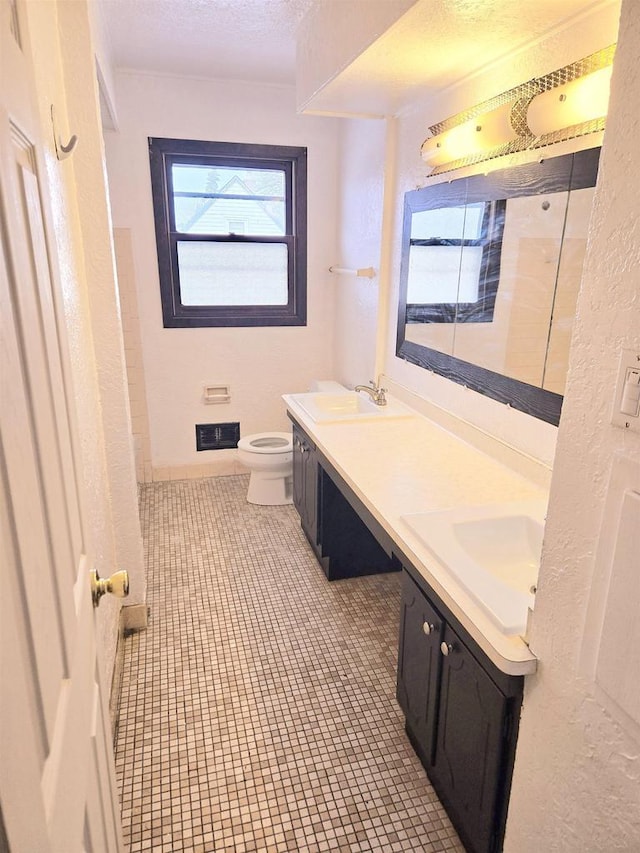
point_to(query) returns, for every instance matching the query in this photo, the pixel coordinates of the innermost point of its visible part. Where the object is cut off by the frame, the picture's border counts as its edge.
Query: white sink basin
(494, 551)
(350, 405)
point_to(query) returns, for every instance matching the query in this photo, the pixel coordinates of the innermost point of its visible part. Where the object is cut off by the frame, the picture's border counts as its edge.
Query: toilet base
(267, 489)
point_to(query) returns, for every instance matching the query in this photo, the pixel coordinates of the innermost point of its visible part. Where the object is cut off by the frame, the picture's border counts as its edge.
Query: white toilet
(269, 457)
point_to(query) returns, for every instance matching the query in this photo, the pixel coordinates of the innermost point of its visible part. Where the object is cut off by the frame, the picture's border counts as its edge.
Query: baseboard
(222, 467)
(116, 681)
(132, 618)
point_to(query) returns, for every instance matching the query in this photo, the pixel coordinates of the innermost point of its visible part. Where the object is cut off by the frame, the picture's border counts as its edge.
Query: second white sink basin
(507, 546)
(350, 405)
(493, 550)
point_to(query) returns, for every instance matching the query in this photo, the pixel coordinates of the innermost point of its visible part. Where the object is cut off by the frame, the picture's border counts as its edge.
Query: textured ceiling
(234, 39)
(436, 43)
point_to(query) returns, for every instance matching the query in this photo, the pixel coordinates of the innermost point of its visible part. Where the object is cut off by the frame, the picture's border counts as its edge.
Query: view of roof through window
(214, 199)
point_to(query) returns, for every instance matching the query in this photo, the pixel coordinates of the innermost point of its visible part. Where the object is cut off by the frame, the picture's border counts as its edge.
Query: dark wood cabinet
(461, 717)
(337, 525)
(419, 666)
(305, 484)
(348, 549)
(461, 711)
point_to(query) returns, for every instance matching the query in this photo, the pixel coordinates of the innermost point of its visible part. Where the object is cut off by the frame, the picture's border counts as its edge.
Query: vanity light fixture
(575, 103)
(564, 104)
(480, 134)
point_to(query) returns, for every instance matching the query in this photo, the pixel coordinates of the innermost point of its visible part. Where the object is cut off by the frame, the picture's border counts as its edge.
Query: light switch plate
(629, 359)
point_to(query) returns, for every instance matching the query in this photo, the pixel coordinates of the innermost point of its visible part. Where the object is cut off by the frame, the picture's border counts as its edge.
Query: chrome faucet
(375, 392)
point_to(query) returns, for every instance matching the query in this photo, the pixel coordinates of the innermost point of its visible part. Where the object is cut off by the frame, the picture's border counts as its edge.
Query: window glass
(443, 274)
(232, 273)
(206, 198)
(447, 222)
(474, 215)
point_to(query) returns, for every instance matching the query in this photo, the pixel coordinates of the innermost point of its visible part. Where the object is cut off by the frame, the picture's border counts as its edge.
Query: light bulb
(584, 99)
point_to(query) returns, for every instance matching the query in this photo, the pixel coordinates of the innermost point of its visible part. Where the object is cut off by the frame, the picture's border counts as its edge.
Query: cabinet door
(469, 762)
(305, 484)
(298, 471)
(310, 504)
(419, 663)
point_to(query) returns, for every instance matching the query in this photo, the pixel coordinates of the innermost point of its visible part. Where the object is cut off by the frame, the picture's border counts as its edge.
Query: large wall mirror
(491, 267)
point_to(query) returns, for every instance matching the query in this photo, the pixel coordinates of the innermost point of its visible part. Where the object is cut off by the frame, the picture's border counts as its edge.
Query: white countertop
(399, 466)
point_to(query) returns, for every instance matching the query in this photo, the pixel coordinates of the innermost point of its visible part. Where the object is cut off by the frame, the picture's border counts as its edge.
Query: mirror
(491, 267)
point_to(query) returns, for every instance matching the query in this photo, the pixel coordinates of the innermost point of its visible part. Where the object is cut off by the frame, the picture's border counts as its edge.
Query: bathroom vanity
(462, 716)
(460, 676)
(338, 526)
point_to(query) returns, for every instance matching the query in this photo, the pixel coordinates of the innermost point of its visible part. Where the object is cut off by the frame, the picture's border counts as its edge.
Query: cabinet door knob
(427, 628)
(446, 648)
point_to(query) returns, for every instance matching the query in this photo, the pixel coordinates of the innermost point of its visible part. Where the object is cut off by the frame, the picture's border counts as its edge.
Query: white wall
(370, 167)
(393, 166)
(577, 774)
(576, 784)
(64, 66)
(526, 433)
(362, 145)
(260, 364)
(103, 60)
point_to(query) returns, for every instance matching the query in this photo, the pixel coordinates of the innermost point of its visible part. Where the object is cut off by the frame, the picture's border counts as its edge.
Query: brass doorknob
(117, 584)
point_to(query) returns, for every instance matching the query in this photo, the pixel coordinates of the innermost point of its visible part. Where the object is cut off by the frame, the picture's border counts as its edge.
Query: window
(231, 232)
(453, 277)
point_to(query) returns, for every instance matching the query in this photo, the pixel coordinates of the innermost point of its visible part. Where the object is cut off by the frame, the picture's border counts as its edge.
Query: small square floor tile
(257, 710)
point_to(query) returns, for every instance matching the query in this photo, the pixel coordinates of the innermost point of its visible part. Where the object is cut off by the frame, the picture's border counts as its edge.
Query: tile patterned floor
(257, 711)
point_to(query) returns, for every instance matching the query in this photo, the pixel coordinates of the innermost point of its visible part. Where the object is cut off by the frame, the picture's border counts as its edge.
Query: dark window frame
(163, 154)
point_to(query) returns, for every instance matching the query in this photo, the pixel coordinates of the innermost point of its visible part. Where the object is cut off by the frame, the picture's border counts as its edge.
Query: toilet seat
(267, 442)
(269, 457)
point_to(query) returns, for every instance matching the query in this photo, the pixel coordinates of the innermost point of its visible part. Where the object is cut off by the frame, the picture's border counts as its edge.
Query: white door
(57, 781)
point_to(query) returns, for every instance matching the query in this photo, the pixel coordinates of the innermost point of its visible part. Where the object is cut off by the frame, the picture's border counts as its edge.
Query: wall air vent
(217, 436)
